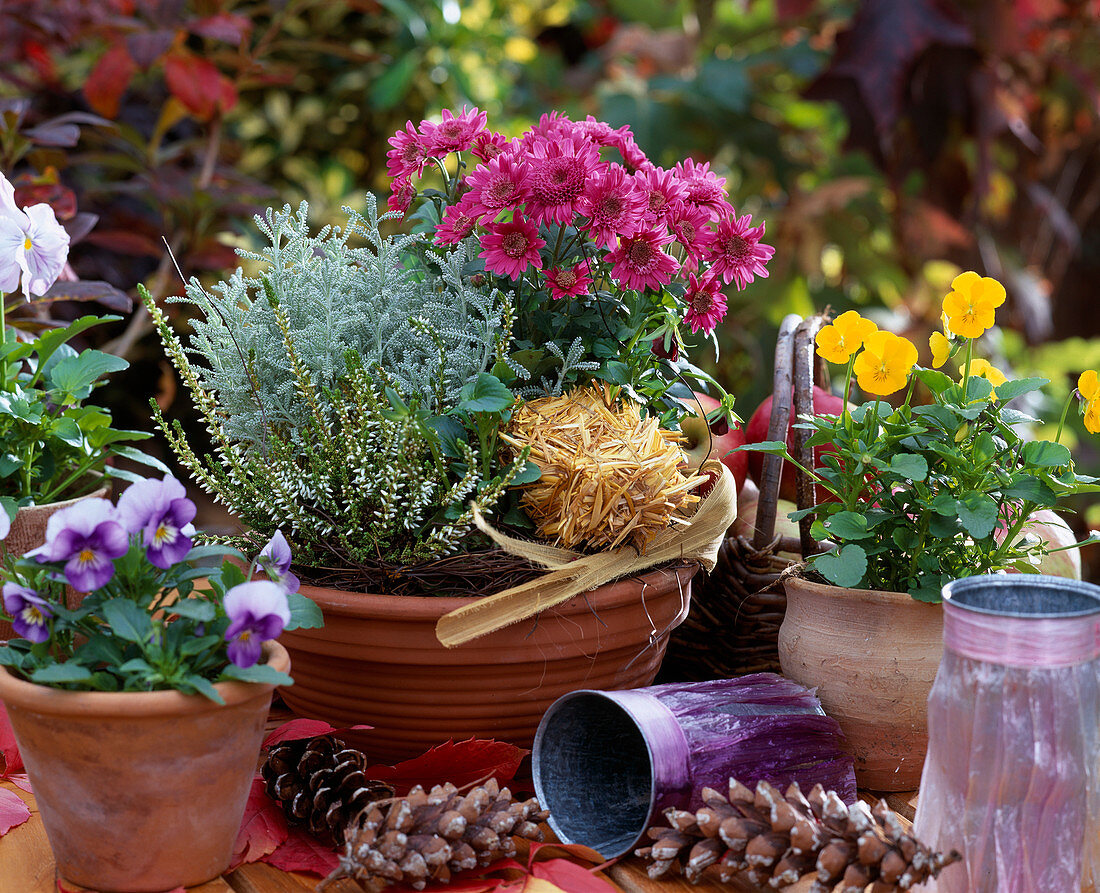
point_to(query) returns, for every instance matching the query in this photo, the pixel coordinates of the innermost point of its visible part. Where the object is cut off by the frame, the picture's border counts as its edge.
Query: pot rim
(880, 596)
(42, 699)
(373, 604)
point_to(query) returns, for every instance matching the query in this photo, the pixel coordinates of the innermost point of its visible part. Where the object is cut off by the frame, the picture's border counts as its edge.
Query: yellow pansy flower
(985, 369)
(885, 363)
(1092, 416)
(941, 348)
(971, 303)
(837, 342)
(1089, 385)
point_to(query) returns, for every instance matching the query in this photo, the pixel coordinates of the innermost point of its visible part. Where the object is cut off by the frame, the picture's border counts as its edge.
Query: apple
(702, 445)
(1052, 529)
(756, 431)
(745, 525)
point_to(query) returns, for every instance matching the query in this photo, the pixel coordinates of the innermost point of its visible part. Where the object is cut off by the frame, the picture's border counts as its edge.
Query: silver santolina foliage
(319, 379)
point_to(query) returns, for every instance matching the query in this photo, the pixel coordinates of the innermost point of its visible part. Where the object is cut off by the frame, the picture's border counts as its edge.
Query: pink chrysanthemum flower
(488, 144)
(706, 305)
(738, 254)
(633, 156)
(458, 222)
(614, 206)
(690, 226)
(640, 263)
(594, 130)
(402, 192)
(497, 186)
(408, 154)
(558, 173)
(455, 133)
(568, 282)
(662, 188)
(510, 248)
(705, 189)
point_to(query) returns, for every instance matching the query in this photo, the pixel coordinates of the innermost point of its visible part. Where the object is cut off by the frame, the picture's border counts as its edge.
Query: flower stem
(966, 368)
(1062, 420)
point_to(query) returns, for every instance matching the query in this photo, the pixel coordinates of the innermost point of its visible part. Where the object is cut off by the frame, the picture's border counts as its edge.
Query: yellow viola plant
(933, 492)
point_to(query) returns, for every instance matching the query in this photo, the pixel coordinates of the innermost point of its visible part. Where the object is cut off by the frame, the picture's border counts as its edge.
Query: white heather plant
(346, 392)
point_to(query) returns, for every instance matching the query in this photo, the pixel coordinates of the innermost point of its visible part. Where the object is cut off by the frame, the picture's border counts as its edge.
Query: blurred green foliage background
(888, 145)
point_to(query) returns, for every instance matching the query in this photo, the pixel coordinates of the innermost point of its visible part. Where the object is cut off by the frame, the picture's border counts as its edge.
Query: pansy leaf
(847, 526)
(937, 382)
(1045, 454)
(61, 673)
(485, 394)
(845, 567)
(304, 613)
(194, 609)
(910, 467)
(1012, 389)
(978, 514)
(127, 620)
(257, 673)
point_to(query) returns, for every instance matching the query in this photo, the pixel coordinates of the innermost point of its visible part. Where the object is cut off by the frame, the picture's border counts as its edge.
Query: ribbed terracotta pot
(28, 531)
(872, 657)
(140, 791)
(377, 661)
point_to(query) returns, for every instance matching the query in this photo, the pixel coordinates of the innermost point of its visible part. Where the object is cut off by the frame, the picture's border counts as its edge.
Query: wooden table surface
(27, 864)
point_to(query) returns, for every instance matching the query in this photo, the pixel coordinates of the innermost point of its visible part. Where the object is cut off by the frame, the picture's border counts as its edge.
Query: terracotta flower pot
(140, 791)
(377, 661)
(28, 531)
(872, 657)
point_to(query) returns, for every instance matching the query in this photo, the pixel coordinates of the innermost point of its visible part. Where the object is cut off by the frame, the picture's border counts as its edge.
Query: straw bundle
(609, 476)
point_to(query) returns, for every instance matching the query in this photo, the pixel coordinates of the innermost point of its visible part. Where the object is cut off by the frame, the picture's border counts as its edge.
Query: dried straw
(609, 476)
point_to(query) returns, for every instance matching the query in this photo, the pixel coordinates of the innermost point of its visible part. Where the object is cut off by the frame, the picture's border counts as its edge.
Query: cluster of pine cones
(415, 839)
(769, 837)
(774, 839)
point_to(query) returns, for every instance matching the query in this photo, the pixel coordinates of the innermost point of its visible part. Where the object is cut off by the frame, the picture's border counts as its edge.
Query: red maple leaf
(301, 851)
(297, 729)
(199, 85)
(109, 79)
(13, 811)
(263, 827)
(460, 763)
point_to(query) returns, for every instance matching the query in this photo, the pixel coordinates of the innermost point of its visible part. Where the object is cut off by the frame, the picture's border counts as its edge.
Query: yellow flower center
(32, 615)
(86, 556)
(245, 635)
(27, 244)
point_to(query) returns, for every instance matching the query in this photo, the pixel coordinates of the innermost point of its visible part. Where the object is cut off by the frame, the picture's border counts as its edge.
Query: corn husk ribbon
(572, 573)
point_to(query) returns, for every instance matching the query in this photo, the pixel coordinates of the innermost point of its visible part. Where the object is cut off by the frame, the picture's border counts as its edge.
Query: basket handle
(796, 369)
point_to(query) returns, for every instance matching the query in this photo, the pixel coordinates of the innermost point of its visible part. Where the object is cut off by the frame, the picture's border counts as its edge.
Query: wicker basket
(738, 607)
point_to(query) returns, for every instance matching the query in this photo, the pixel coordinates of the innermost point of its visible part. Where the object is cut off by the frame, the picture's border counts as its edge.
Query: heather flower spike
(161, 512)
(28, 611)
(88, 537)
(275, 558)
(257, 611)
(840, 340)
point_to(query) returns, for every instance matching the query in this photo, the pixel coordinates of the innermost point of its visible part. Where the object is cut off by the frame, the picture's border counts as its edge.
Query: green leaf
(198, 644)
(844, 568)
(775, 447)
(614, 372)
(1015, 388)
(136, 665)
(978, 514)
(203, 687)
(57, 674)
(69, 432)
(304, 613)
(127, 620)
(1025, 486)
(451, 434)
(937, 382)
(257, 673)
(48, 342)
(847, 526)
(486, 394)
(135, 455)
(928, 593)
(194, 609)
(909, 466)
(527, 475)
(75, 375)
(906, 538)
(1045, 454)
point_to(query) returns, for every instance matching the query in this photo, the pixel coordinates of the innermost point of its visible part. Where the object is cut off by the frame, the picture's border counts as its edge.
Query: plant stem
(966, 368)
(1062, 420)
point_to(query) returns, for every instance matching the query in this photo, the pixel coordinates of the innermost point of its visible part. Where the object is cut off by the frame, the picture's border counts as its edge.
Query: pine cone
(774, 840)
(428, 836)
(319, 783)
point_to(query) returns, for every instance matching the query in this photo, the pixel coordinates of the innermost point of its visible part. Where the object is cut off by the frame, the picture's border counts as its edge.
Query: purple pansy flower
(33, 245)
(275, 559)
(257, 611)
(5, 524)
(161, 512)
(28, 612)
(88, 538)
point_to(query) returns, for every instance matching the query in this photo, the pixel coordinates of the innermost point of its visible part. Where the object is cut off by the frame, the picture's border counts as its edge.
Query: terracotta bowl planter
(28, 531)
(377, 661)
(140, 791)
(872, 657)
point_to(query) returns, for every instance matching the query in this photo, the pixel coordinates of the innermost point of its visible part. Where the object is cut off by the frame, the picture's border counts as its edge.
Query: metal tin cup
(1010, 780)
(607, 763)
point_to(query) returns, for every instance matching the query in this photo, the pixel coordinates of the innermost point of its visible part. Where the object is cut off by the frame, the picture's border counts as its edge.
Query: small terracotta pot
(28, 531)
(377, 661)
(140, 791)
(872, 657)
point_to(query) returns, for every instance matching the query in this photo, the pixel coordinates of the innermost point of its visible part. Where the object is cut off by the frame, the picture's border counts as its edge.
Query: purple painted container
(608, 763)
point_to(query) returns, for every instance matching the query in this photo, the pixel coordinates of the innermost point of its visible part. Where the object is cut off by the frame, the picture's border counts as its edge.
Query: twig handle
(804, 369)
(777, 430)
